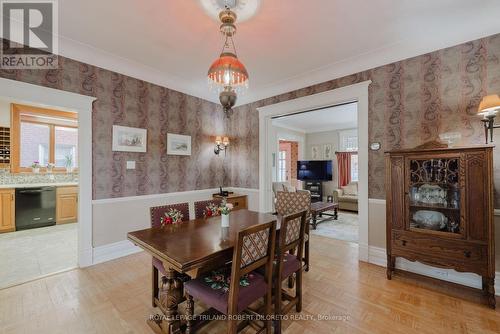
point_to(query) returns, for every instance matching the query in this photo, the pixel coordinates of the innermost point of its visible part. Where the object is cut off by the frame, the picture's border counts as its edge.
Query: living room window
(282, 166)
(43, 135)
(354, 167)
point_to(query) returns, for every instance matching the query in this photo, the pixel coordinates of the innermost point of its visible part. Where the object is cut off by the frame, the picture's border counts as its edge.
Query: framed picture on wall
(327, 152)
(315, 154)
(127, 139)
(178, 144)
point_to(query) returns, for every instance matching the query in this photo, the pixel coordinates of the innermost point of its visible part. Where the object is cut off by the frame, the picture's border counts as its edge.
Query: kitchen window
(43, 135)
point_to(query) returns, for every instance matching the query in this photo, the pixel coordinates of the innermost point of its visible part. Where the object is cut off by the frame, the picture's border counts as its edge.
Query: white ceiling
(285, 46)
(328, 119)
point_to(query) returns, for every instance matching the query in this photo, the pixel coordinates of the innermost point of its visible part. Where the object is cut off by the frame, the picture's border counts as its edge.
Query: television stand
(316, 190)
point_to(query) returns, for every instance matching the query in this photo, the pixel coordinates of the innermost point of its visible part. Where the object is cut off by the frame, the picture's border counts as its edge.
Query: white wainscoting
(114, 217)
(378, 256)
(114, 251)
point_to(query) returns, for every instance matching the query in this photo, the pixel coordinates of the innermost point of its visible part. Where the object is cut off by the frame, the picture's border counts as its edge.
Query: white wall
(4, 113)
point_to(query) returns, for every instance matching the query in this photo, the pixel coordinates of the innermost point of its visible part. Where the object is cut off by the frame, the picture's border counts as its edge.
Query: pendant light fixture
(227, 75)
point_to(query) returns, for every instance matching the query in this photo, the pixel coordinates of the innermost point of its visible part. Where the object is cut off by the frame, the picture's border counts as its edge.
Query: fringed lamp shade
(227, 72)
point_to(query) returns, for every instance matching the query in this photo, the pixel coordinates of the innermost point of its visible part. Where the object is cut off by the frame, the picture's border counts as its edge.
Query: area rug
(345, 228)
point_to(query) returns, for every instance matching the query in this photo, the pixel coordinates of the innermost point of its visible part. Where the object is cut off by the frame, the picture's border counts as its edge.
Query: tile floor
(30, 254)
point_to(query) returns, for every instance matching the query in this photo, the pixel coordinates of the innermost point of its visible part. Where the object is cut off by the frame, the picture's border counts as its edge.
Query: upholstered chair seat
(218, 298)
(232, 289)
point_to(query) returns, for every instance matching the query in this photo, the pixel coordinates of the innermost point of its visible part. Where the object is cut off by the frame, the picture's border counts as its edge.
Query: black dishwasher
(35, 207)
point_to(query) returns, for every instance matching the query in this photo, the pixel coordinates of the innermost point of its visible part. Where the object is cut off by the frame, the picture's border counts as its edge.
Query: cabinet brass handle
(467, 253)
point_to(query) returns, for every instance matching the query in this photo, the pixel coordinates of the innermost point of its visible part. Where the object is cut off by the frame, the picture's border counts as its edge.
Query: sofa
(347, 197)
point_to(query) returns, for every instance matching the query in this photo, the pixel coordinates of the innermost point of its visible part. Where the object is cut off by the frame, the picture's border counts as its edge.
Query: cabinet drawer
(431, 247)
(238, 202)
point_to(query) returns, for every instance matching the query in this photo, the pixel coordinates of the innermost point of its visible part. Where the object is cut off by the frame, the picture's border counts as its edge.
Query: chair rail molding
(26, 93)
(268, 138)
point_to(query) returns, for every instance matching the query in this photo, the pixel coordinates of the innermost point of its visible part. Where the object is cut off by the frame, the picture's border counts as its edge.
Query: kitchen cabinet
(7, 210)
(66, 205)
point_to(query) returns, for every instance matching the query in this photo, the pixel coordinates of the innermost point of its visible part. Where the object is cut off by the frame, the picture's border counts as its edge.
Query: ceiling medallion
(227, 74)
(245, 9)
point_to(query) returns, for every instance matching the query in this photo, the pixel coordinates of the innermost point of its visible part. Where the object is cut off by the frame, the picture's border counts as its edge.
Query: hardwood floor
(114, 297)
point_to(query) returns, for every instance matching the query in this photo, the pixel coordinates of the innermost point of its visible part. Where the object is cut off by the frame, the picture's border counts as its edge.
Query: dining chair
(200, 207)
(156, 214)
(291, 237)
(293, 202)
(231, 290)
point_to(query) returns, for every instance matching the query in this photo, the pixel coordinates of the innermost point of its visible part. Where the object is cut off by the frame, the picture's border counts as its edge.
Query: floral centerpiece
(173, 216)
(224, 210)
(35, 167)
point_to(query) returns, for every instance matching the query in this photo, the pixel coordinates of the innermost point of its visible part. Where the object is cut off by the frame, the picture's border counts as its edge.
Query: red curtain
(344, 166)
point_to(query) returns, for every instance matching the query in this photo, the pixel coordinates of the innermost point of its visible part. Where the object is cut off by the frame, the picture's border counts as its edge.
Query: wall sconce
(221, 144)
(488, 108)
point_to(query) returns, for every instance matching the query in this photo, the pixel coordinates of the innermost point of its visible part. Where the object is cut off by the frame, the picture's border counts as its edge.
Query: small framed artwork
(126, 139)
(315, 152)
(178, 144)
(327, 152)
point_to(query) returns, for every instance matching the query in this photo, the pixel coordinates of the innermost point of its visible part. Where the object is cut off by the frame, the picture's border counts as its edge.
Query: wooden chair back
(292, 202)
(292, 232)
(157, 212)
(201, 206)
(254, 249)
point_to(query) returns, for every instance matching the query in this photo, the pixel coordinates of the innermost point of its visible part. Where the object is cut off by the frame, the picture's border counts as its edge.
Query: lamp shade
(489, 104)
(228, 71)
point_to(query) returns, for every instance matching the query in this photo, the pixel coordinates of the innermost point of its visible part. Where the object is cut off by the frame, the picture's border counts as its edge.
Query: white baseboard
(114, 251)
(377, 256)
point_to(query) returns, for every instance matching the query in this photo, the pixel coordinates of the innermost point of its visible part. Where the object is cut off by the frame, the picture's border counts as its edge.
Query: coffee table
(318, 210)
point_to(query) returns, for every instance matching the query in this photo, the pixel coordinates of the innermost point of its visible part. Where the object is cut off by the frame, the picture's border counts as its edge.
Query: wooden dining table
(189, 247)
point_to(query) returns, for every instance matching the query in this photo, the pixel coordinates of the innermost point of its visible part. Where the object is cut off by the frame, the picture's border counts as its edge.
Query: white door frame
(26, 93)
(357, 92)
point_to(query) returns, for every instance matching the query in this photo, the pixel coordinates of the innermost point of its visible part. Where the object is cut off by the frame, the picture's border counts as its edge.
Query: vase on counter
(35, 170)
(69, 169)
(224, 220)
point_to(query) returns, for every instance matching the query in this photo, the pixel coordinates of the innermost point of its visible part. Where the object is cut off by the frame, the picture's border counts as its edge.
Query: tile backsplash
(31, 178)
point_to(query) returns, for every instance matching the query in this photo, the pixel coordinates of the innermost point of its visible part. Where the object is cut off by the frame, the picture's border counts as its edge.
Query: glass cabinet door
(434, 195)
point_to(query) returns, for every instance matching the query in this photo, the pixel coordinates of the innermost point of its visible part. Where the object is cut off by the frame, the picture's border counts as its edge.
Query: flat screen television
(315, 170)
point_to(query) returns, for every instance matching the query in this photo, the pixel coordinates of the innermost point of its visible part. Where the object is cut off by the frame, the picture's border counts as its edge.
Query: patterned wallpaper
(127, 101)
(410, 102)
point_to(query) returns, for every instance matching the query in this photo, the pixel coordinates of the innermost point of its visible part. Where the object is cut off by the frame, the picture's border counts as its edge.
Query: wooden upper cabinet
(7, 210)
(67, 205)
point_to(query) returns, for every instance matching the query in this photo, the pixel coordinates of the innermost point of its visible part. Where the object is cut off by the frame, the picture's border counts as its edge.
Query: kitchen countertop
(33, 185)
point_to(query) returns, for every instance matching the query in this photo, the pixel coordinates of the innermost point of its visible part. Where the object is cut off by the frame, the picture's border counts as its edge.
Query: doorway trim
(353, 93)
(25, 93)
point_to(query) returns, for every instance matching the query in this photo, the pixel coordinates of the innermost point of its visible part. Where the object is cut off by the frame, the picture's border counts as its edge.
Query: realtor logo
(29, 32)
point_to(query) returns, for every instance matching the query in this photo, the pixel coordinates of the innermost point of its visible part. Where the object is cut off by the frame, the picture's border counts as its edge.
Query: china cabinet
(440, 209)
